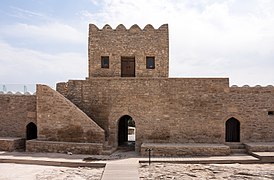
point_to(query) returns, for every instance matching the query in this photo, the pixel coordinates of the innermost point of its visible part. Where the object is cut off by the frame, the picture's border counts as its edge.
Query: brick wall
(190, 149)
(250, 105)
(164, 110)
(60, 120)
(64, 147)
(16, 111)
(12, 144)
(175, 110)
(132, 42)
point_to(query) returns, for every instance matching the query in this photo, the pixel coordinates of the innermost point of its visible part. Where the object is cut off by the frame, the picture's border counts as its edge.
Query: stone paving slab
(243, 159)
(264, 156)
(48, 159)
(119, 169)
(126, 169)
(259, 147)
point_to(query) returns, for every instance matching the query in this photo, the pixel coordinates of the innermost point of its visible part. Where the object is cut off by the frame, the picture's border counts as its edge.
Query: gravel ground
(206, 171)
(9, 171)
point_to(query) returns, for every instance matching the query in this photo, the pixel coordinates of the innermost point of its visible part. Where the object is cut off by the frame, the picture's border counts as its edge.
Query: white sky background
(46, 42)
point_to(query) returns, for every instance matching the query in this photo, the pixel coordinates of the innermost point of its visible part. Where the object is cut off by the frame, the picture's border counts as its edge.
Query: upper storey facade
(130, 52)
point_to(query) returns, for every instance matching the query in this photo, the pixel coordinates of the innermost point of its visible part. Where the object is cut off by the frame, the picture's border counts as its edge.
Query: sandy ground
(207, 171)
(9, 171)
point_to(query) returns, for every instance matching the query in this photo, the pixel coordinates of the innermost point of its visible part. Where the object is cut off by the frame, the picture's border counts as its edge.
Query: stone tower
(130, 52)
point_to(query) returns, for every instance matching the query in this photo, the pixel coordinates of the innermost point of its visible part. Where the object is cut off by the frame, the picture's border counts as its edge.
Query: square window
(104, 61)
(271, 113)
(150, 62)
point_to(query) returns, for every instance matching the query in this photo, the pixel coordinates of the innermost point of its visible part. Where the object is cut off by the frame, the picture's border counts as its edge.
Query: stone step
(236, 145)
(12, 144)
(238, 151)
(234, 158)
(266, 157)
(52, 162)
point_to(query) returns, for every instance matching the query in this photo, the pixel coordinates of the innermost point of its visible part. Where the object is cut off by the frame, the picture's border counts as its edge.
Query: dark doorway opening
(31, 131)
(128, 67)
(232, 130)
(126, 131)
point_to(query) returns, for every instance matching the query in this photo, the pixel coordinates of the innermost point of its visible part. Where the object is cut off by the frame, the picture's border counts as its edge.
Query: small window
(271, 113)
(104, 61)
(150, 62)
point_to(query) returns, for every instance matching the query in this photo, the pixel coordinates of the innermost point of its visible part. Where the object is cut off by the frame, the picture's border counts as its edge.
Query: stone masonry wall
(60, 120)
(164, 110)
(64, 147)
(190, 149)
(12, 143)
(133, 42)
(250, 105)
(16, 111)
(183, 110)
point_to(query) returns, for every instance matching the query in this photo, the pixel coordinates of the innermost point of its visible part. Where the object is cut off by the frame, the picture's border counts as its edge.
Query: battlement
(132, 52)
(134, 28)
(252, 89)
(257, 86)
(17, 93)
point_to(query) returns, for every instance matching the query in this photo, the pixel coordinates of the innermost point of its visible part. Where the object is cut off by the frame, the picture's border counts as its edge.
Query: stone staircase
(237, 147)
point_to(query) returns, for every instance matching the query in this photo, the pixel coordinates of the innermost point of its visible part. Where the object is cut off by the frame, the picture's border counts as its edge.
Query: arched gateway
(126, 131)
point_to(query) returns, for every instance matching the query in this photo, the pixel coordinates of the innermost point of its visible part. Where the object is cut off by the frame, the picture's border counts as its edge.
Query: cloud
(24, 14)
(21, 66)
(48, 32)
(208, 38)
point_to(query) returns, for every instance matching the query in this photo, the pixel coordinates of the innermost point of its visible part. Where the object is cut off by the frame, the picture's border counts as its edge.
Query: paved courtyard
(124, 165)
(206, 171)
(10, 171)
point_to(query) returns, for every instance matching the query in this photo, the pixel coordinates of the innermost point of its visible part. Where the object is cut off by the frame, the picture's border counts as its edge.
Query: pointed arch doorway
(31, 131)
(126, 131)
(232, 130)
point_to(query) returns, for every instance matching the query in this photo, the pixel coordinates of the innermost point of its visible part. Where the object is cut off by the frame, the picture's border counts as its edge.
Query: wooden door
(232, 130)
(128, 67)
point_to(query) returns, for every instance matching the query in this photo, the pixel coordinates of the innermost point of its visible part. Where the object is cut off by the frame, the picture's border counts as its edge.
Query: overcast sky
(45, 41)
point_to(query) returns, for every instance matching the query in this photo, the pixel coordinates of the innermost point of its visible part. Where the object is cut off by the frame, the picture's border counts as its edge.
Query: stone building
(128, 81)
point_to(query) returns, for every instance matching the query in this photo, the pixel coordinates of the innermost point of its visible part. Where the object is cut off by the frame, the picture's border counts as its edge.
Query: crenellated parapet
(134, 28)
(17, 93)
(256, 88)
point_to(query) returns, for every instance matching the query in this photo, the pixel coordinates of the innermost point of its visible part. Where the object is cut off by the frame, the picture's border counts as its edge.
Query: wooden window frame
(148, 58)
(105, 62)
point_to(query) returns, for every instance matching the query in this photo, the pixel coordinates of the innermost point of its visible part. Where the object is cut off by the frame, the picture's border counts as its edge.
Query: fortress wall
(16, 111)
(164, 110)
(250, 105)
(133, 42)
(176, 110)
(60, 120)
